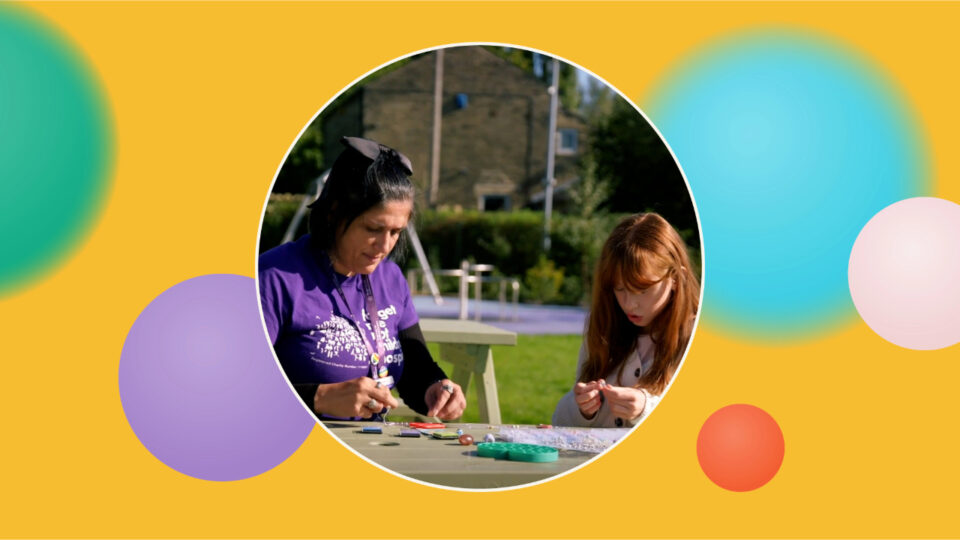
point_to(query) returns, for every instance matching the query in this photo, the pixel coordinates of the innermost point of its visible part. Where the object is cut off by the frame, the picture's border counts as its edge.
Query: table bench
(447, 462)
(466, 345)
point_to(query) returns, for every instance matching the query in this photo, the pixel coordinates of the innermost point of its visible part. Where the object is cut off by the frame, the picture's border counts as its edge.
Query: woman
(645, 302)
(324, 294)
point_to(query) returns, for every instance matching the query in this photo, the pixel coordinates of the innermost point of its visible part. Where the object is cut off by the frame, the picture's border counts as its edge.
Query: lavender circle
(200, 387)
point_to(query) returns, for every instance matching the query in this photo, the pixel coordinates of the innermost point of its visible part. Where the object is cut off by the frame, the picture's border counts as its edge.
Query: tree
(304, 163)
(586, 229)
(643, 173)
(597, 103)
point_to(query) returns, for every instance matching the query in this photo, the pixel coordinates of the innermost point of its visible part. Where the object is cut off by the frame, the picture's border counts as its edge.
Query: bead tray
(517, 452)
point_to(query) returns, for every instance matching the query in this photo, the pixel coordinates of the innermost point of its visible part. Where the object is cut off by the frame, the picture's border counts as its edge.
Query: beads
(466, 440)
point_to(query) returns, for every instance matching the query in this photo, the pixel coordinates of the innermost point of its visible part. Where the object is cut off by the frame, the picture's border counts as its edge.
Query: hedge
(511, 241)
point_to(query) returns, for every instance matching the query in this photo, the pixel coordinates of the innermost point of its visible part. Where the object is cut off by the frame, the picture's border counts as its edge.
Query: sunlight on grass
(531, 377)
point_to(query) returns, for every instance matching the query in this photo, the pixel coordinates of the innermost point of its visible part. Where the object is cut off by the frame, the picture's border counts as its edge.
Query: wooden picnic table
(466, 345)
(447, 462)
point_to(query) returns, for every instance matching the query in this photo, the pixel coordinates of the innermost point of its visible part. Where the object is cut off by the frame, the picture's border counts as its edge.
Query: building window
(493, 203)
(567, 140)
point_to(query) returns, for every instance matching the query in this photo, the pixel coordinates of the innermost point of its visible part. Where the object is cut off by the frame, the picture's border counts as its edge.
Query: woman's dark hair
(365, 175)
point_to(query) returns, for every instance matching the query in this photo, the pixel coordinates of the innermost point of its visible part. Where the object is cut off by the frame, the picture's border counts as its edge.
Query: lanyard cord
(375, 357)
(371, 307)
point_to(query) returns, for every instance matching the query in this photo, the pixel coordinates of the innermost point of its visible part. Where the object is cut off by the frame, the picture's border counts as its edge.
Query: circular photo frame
(480, 266)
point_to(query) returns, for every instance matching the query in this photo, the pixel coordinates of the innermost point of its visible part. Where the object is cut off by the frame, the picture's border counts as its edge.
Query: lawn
(531, 377)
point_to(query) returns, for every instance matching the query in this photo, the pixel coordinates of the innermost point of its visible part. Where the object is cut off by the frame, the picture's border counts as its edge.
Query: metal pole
(551, 149)
(424, 264)
(464, 278)
(477, 285)
(437, 116)
(313, 192)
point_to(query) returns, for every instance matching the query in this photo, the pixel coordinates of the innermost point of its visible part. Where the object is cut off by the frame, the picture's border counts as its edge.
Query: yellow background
(206, 99)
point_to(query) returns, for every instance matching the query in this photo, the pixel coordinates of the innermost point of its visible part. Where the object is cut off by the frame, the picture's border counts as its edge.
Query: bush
(511, 241)
(542, 283)
(572, 292)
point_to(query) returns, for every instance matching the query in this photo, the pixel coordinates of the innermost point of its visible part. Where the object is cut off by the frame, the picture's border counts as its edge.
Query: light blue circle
(790, 143)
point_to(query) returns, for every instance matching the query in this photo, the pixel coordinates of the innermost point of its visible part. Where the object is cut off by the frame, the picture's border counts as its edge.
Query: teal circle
(791, 141)
(55, 147)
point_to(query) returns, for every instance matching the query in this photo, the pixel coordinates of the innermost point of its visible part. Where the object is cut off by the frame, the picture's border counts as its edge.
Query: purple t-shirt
(312, 331)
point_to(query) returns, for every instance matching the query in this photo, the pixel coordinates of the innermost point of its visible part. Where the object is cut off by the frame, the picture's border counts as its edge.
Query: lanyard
(371, 306)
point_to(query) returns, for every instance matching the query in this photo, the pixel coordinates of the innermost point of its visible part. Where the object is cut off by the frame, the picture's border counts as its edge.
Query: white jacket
(639, 361)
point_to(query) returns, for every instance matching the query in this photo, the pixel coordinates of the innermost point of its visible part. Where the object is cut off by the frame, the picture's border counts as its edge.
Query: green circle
(55, 147)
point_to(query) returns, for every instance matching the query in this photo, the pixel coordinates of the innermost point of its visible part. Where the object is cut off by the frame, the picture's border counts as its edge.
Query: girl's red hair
(640, 246)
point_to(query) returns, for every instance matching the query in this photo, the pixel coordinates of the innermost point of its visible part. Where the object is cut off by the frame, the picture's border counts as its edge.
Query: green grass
(531, 377)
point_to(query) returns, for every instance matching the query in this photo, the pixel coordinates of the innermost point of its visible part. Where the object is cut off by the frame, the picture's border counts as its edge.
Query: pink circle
(904, 273)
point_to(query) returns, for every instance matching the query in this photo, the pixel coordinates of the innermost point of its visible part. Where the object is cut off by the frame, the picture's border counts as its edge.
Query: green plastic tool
(517, 452)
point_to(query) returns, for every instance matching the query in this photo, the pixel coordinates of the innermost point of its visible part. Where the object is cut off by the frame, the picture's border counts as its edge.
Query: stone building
(495, 118)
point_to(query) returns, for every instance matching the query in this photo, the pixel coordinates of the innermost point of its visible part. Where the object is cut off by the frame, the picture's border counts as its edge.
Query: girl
(645, 300)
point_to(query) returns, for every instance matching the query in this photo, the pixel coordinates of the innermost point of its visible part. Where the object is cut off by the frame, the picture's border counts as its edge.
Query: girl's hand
(361, 397)
(625, 401)
(445, 400)
(588, 397)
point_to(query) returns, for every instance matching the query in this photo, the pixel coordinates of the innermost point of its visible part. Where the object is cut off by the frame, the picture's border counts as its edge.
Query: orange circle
(740, 447)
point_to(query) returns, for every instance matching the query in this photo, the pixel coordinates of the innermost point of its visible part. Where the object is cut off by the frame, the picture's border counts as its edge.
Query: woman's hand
(445, 400)
(625, 401)
(362, 397)
(588, 397)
